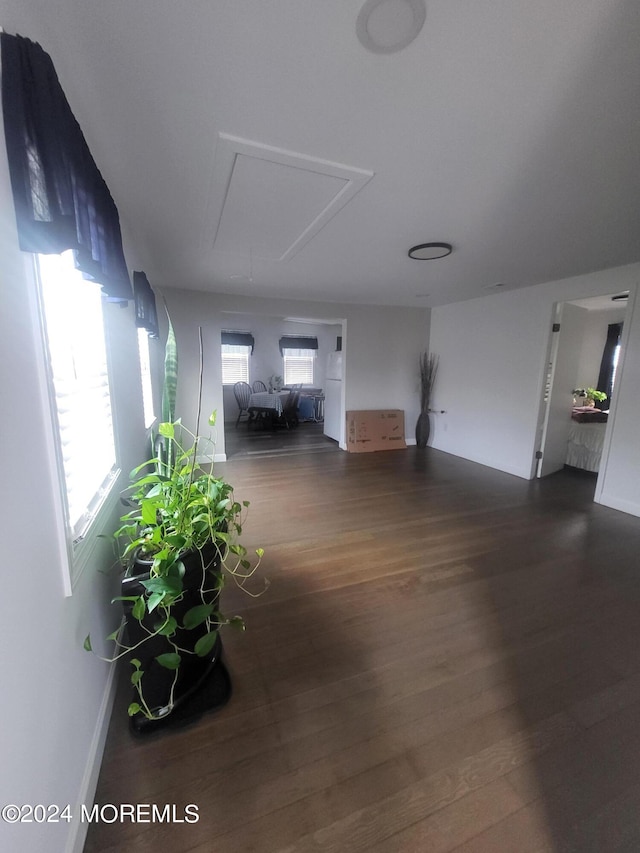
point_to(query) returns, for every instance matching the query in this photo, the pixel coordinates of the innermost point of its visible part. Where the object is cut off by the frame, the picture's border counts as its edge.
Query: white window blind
(298, 366)
(145, 375)
(74, 331)
(235, 363)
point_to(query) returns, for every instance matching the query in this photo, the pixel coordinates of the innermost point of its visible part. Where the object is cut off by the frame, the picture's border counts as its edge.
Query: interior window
(235, 363)
(298, 366)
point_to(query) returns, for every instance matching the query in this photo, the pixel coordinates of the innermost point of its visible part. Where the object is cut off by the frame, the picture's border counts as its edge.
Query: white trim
(229, 147)
(101, 524)
(78, 829)
(629, 507)
(608, 436)
(515, 472)
(206, 460)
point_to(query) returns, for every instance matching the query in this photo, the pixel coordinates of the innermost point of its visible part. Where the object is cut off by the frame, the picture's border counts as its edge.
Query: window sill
(83, 549)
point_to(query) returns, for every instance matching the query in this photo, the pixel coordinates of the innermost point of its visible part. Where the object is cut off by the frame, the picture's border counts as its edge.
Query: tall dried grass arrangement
(428, 372)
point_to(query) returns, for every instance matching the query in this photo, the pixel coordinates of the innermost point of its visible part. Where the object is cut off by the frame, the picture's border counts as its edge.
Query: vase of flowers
(275, 383)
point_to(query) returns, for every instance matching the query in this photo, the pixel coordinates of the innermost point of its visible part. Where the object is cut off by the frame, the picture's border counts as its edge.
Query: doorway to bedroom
(584, 355)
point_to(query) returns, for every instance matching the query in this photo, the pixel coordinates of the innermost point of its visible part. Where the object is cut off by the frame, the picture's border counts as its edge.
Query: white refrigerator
(333, 396)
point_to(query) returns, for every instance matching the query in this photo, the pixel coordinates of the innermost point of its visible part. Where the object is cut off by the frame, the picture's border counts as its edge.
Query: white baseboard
(78, 829)
(629, 507)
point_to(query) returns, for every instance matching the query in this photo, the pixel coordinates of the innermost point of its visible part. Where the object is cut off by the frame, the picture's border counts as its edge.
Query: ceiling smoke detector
(387, 26)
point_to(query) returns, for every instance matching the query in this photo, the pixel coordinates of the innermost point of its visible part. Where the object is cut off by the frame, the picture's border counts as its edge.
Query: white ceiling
(508, 128)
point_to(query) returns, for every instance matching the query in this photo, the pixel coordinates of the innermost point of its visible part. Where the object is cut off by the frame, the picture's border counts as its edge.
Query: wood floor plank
(439, 664)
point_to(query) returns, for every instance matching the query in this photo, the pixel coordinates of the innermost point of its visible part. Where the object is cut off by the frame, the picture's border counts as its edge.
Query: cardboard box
(375, 430)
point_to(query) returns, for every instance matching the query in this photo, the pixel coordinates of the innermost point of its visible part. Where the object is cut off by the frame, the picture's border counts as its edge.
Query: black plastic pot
(194, 671)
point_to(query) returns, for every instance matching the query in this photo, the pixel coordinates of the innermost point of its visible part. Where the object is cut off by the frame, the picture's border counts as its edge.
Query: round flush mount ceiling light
(430, 251)
(387, 26)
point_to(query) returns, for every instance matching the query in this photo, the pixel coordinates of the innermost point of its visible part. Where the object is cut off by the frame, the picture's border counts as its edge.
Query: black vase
(423, 428)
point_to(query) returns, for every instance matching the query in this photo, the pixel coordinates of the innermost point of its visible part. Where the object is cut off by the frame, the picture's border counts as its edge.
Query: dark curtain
(145, 302)
(291, 342)
(61, 200)
(239, 339)
(605, 377)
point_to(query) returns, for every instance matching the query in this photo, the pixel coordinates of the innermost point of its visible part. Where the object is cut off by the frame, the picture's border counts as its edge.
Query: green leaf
(212, 418)
(167, 430)
(135, 662)
(87, 643)
(139, 609)
(171, 585)
(170, 375)
(133, 709)
(205, 644)
(169, 660)
(114, 635)
(149, 511)
(260, 552)
(197, 615)
(124, 598)
(166, 630)
(154, 601)
(136, 676)
(237, 622)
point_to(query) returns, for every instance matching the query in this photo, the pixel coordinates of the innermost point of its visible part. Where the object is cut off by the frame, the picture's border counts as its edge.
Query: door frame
(553, 342)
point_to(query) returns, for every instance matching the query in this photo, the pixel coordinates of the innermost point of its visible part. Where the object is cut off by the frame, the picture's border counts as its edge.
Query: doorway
(265, 362)
(576, 354)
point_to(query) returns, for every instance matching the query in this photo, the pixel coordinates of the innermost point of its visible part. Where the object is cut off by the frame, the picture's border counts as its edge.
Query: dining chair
(242, 392)
(258, 386)
(289, 417)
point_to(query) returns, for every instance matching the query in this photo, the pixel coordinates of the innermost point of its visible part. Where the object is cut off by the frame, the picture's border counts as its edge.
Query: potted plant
(275, 383)
(177, 544)
(590, 395)
(428, 372)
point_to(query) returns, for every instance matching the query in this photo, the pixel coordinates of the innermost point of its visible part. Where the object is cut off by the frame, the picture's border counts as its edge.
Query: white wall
(55, 696)
(266, 359)
(492, 353)
(595, 335)
(381, 349)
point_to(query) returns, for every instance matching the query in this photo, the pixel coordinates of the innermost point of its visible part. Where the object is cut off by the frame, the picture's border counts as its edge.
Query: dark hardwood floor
(252, 441)
(447, 659)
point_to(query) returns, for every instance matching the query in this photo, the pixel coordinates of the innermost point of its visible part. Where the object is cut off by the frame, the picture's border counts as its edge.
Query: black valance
(239, 339)
(292, 342)
(145, 302)
(60, 198)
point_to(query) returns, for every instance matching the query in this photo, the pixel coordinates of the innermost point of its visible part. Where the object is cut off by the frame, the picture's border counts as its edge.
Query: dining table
(268, 400)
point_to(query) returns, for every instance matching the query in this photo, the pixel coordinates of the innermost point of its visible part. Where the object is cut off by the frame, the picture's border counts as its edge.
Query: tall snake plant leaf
(169, 389)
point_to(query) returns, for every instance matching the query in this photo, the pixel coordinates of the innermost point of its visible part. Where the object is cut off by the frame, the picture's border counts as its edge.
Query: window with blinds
(81, 401)
(298, 366)
(235, 363)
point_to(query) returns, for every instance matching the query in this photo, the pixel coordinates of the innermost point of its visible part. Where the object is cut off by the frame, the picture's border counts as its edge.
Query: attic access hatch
(272, 202)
